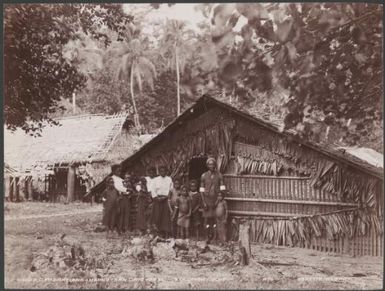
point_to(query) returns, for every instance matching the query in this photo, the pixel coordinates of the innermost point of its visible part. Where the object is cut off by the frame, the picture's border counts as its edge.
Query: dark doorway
(197, 166)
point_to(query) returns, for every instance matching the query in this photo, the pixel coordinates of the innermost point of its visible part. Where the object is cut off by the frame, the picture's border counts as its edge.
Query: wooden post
(11, 188)
(22, 189)
(7, 187)
(70, 184)
(15, 189)
(30, 189)
(244, 242)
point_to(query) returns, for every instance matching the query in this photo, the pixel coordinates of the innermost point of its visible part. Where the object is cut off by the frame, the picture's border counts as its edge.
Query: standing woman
(211, 185)
(144, 201)
(125, 204)
(161, 186)
(110, 198)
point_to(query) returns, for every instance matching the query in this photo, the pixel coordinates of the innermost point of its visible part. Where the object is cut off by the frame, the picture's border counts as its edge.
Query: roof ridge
(84, 116)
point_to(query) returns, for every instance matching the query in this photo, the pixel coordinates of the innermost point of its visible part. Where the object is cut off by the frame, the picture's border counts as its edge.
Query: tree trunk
(70, 184)
(136, 115)
(244, 242)
(177, 80)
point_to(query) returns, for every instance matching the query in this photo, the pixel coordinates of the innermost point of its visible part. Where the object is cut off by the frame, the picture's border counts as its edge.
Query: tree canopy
(36, 72)
(314, 68)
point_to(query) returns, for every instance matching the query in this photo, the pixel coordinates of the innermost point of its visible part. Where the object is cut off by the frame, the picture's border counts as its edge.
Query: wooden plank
(266, 177)
(284, 201)
(263, 195)
(296, 195)
(371, 242)
(262, 213)
(278, 194)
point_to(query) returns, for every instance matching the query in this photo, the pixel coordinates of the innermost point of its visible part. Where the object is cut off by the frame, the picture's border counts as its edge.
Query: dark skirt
(142, 205)
(110, 213)
(210, 199)
(209, 212)
(124, 213)
(161, 214)
(196, 218)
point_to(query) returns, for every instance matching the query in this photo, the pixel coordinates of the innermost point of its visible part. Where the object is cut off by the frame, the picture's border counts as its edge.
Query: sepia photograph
(193, 146)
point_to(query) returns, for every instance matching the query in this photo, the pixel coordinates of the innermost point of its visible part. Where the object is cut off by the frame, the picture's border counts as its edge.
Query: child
(221, 217)
(172, 197)
(144, 200)
(196, 215)
(125, 204)
(110, 198)
(183, 204)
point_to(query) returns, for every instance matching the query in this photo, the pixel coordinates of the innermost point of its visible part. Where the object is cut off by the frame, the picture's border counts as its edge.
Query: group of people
(167, 206)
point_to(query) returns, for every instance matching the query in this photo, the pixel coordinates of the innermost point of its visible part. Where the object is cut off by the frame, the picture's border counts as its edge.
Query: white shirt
(161, 186)
(150, 182)
(118, 184)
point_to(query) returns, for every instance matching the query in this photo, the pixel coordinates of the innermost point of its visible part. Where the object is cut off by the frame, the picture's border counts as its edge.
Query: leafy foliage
(37, 74)
(328, 58)
(314, 68)
(175, 50)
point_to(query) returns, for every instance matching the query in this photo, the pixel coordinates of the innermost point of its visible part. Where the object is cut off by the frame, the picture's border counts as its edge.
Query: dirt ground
(38, 241)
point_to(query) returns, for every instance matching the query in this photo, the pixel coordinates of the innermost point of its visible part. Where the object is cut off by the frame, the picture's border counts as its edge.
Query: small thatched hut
(67, 160)
(292, 192)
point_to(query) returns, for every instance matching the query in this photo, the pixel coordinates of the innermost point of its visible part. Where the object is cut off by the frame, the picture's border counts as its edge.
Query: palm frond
(124, 67)
(93, 51)
(147, 64)
(115, 53)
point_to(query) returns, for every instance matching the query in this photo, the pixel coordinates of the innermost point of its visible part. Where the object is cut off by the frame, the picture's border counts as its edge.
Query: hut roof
(206, 102)
(366, 154)
(8, 169)
(357, 161)
(84, 138)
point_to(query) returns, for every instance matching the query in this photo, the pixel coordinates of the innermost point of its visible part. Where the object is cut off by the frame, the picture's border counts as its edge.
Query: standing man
(119, 186)
(211, 185)
(149, 181)
(118, 181)
(161, 187)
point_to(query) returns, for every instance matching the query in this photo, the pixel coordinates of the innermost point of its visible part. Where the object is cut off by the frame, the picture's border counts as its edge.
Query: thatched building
(292, 192)
(67, 160)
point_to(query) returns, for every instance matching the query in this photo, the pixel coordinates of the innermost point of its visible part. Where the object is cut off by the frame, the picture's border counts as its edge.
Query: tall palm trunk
(177, 80)
(136, 115)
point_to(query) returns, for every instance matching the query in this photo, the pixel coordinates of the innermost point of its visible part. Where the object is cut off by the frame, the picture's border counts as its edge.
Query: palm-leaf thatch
(78, 139)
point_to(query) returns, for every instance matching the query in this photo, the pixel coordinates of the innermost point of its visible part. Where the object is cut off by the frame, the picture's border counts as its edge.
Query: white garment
(150, 182)
(162, 186)
(118, 184)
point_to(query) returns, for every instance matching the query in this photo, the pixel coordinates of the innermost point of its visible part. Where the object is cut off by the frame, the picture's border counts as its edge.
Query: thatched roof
(84, 138)
(205, 102)
(8, 169)
(366, 154)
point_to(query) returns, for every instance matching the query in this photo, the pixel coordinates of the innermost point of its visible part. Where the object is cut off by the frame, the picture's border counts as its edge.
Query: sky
(179, 11)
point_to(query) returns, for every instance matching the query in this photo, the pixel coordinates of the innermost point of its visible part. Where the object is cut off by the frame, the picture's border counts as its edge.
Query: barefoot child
(172, 197)
(196, 216)
(221, 217)
(183, 204)
(110, 198)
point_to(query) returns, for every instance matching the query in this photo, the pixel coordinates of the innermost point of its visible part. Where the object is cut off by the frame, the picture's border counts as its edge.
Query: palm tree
(175, 49)
(135, 65)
